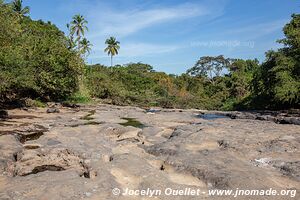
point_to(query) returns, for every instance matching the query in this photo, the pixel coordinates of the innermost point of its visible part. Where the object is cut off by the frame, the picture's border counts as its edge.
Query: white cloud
(258, 30)
(123, 23)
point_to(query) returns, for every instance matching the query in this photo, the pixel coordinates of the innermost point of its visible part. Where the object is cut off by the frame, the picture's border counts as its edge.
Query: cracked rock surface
(85, 152)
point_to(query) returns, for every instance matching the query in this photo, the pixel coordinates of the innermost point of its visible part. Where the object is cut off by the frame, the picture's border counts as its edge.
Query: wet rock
(210, 116)
(153, 110)
(288, 120)
(53, 110)
(266, 118)
(242, 115)
(70, 105)
(278, 117)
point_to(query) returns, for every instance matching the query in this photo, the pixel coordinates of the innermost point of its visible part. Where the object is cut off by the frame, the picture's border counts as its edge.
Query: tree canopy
(34, 59)
(113, 47)
(38, 61)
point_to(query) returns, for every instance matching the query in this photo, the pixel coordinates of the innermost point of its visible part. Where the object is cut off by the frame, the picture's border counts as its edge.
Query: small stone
(93, 174)
(88, 194)
(53, 110)
(87, 161)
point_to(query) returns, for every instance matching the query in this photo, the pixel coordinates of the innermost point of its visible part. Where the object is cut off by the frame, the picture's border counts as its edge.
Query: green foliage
(277, 80)
(39, 63)
(17, 6)
(112, 48)
(79, 97)
(209, 66)
(34, 103)
(77, 29)
(85, 46)
(240, 76)
(139, 84)
(34, 59)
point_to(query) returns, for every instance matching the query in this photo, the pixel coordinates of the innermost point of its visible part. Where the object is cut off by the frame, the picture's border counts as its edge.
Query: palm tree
(70, 40)
(78, 27)
(18, 7)
(112, 48)
(85, 46)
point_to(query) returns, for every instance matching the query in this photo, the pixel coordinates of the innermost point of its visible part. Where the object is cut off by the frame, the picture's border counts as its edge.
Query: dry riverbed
(85, 152)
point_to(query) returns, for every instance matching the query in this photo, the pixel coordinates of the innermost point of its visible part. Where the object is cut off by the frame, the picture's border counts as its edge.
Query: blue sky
(172, 34)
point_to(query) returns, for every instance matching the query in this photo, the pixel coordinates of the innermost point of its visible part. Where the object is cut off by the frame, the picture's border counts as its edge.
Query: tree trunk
(111, 60)
(78, 44)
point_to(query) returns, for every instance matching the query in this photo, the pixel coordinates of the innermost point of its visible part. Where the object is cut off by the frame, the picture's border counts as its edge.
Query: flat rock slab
(85, 152)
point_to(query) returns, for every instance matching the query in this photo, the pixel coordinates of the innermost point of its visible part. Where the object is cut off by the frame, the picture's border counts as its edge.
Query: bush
(35, 61)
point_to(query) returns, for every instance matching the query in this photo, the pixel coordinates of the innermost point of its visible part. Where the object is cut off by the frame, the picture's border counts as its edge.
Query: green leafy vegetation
(35, 61)
(112, 48)
(39, 63)
(132, 122)
(276, 83)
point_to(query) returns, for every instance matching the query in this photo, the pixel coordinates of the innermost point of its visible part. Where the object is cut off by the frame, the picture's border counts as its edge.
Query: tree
(85, 46)
(292, 33)
(209, 66)
(139, 67)
(71, 43)
(277, 80)
(240, 76)
(78, 27)
(35, 61)
(18, 8)
(112, 48)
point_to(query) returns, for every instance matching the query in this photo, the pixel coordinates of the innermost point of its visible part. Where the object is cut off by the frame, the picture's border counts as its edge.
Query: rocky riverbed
(85, 152)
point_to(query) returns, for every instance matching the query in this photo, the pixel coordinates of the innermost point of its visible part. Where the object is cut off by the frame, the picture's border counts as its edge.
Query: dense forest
(40, 63)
